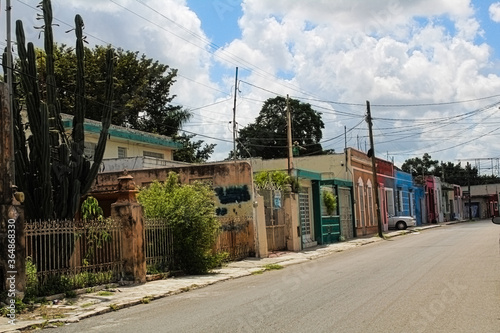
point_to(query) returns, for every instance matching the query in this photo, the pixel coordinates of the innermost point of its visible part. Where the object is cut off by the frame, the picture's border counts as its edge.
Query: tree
(142, 94)
(267, 137)
(449, 172)
(192, 151)
(54, 172)
(190, 211)
(420, 167)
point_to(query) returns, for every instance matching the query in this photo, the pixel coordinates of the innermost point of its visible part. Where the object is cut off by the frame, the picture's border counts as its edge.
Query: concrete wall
(137, 163)
(477, 190)
(329, 166)
(232, 183)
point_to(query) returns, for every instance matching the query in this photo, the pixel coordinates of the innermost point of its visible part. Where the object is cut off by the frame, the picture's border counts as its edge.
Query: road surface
(446, 279)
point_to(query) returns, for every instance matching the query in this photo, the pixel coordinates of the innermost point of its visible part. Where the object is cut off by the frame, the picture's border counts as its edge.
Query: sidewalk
(65, 311)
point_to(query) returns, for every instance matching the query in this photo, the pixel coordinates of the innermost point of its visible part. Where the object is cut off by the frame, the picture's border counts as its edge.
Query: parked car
(402, 222)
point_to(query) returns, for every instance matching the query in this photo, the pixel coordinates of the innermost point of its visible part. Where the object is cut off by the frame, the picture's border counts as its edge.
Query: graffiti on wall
(236, 199)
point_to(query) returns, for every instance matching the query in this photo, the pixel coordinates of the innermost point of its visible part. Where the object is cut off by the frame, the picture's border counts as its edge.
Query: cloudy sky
(430, 68)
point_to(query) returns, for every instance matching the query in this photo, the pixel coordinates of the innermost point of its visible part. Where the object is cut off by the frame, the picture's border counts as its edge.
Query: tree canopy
(420, 166)
(193, 151)
(448, 171)
(142, 94)
(267, 137)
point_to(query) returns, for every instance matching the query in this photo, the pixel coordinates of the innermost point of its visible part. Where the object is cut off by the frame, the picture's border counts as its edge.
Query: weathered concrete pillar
(291, 206)
(260, 227)
(129, 212)
(12, 242)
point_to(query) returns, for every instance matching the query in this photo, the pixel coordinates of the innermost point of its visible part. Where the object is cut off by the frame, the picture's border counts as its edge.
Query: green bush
(330, 202)
(275, 179)
(31, 280)
(190, 211)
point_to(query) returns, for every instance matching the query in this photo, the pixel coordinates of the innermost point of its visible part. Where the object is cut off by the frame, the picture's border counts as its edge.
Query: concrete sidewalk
(101, 300)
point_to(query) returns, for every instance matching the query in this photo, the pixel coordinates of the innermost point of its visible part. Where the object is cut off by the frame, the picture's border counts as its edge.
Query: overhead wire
(327, 101)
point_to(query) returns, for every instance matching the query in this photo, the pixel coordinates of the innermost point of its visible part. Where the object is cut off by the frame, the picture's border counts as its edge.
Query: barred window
(122, 152)
(89, 150)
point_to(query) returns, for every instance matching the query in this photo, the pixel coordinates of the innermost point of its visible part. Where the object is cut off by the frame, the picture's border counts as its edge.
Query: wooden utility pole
(234, 114)
(371, 153)
(289, 136)
(468, 189)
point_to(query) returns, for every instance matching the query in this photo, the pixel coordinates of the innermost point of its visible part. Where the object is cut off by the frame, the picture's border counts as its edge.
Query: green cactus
(55, 173)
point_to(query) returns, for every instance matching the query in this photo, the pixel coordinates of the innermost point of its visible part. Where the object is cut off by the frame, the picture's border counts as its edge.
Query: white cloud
(495, 12)
(384, 52)
(388, 52)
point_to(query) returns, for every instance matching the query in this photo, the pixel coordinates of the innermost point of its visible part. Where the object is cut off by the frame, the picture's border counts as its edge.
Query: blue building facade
(404, 194)
(420, 208)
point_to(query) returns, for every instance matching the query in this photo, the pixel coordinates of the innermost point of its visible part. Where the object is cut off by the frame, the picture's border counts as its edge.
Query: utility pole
(289, 136)
(371, 153)
(468, 188)
(234, 114)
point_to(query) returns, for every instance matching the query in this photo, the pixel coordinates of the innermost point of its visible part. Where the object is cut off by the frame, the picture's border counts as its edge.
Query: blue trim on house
(127, 134)
(308, 174)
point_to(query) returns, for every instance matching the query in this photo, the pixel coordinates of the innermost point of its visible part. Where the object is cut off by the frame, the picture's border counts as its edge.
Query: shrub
(330, 202)
(275, 180)
(190, 211)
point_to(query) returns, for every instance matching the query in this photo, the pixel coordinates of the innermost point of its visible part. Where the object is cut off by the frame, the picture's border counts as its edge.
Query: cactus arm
(106, 122)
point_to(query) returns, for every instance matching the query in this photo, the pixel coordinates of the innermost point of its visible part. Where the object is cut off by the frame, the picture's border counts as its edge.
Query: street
(446, 279)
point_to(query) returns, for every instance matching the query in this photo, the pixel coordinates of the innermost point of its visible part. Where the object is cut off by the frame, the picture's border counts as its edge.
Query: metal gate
(275, 220)
(236, 237)
(305, 218)
(346, 212)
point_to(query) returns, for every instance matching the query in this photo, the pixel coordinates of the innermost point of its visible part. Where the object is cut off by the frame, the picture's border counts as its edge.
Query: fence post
(129, 213)
(260, 227)
(12, 243)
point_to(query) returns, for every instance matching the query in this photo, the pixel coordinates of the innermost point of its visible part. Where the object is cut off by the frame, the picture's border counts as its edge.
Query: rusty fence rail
(158, 245)
(69, 254)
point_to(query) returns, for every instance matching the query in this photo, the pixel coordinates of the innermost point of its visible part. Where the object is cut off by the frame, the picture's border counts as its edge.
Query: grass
(113, 307)
(86, 305)
(146, 299)
(273, 267)
(268, 267)
(105, 293)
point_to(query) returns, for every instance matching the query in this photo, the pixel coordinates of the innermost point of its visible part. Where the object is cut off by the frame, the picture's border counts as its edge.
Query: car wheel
(401, 225)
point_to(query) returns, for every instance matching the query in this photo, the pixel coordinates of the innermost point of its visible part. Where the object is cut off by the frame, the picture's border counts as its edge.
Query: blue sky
(219, 19)
(430, 68)
(491, 29)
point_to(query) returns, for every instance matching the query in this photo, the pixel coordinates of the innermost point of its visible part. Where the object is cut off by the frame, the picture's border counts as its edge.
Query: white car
(402, 222)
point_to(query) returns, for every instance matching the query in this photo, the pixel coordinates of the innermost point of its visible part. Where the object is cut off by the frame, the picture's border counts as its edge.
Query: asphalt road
(445, 279)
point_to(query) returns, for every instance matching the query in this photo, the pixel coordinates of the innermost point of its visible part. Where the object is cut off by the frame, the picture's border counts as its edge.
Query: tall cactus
(55, 173)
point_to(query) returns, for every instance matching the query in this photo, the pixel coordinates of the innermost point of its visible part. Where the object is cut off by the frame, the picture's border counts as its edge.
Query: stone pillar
(260, 227)
(129, 212)
(291, 206)
(12, 243)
